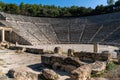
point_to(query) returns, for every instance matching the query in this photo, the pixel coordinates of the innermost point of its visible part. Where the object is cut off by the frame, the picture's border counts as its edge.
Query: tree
(100, 9)
(22, 8)
(2, 5)
(110, 2)
(12, 8)
(117, 5)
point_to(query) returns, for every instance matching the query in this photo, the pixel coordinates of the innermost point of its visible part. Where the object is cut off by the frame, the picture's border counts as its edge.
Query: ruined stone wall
(57, 61)
(29, 50)
(89, 56)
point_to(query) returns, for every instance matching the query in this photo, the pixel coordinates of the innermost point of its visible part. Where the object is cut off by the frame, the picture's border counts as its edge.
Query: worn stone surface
(56, 66)
(81, 73)
(89, 56)
(50, 74)
(50, 59)
(66, 68)
(17, 48)
(22, 73)
(46, 59)
(34, 50)
(57, 58)
(57, 61)
(73, 61)
(98, 67)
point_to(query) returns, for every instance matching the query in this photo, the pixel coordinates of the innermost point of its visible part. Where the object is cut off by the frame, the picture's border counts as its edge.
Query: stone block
(91, 57)
(98, 67)
(22, 73)
(81, 73)
(34, 50)
(70, 52)
(50, 59)
(73, 61)
(50, 74)
(58, 50)
(66, 68)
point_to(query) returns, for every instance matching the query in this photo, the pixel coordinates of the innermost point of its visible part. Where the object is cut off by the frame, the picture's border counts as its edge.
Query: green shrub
(97, 75)
(110, 66)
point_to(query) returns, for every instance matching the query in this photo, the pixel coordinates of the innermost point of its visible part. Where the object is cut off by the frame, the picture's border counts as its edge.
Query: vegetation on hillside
(57, 11)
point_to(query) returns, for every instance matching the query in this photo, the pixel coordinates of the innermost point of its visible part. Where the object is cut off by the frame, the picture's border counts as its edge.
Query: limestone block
(58, 50)
(89, 56)
(66, 68)
(70, 52)
(81, 73)
(34, 50)
(57, 58)
(73, 61)
(50, 59)
(56, 66)
(46, 59)
(22, 73)
(50, 74)
(98, 67)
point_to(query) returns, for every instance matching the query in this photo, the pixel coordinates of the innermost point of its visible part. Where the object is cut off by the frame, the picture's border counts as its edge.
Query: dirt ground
(9, 59)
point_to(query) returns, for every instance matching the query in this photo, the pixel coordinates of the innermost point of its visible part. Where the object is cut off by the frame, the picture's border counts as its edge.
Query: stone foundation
(57, 61)
(50, 59)
(89, 56)
(29, 50)
(34, 50)
(75, 65)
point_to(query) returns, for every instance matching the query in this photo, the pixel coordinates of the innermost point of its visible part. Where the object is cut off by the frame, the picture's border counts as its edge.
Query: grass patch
(110, 66)
(97, 75)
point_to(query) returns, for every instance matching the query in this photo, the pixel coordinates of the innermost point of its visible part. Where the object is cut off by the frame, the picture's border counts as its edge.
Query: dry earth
(9, 59)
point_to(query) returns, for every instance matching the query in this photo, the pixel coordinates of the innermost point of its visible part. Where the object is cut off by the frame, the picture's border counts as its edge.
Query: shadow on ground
(39, 67)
